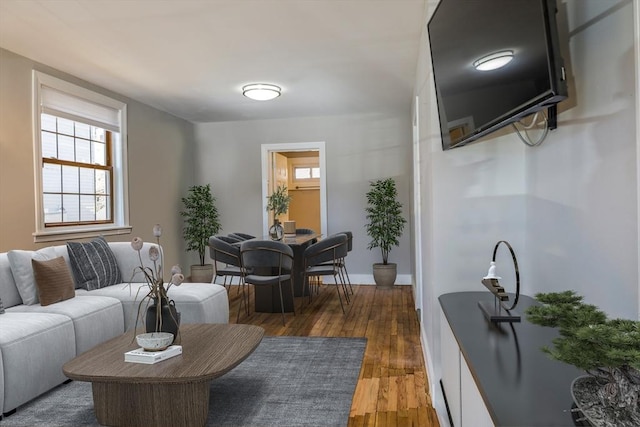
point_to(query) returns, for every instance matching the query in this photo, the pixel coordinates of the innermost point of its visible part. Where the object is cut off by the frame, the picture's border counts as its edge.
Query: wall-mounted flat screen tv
(468, 40)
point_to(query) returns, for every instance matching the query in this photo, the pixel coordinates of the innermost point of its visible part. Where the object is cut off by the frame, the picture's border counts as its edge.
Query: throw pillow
(1, 307)
(20, 262)
(94, 265)
(53, 280)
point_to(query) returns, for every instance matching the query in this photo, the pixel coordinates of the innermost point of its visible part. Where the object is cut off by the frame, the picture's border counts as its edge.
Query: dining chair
(241, 236)
(228, 263)
(307, 231)
(343, 262)
(267, 263)
(323, 259)
(229, 239)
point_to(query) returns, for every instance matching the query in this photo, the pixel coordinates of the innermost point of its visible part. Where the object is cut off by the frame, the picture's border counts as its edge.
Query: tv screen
(522, 36)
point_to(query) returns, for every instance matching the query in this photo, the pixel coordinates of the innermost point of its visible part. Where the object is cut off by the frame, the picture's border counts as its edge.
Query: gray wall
(359, 148)
(568, 207)
(160, 172)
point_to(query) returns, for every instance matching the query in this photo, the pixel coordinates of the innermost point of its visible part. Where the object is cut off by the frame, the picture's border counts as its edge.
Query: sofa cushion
(93, 263)
(22, 271)
(34, 346)
(8, 290)
(96, 319)
(53, 280)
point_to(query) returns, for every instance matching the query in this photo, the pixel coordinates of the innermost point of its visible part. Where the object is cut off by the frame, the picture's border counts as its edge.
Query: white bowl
(155, 341)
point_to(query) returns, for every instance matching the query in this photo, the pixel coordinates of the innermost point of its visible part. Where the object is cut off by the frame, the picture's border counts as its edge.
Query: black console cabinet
(516, 382)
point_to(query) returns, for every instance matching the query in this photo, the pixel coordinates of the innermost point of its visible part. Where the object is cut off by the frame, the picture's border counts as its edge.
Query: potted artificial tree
(385, 227)
(201, 222)
(278, 204)
(608, 350)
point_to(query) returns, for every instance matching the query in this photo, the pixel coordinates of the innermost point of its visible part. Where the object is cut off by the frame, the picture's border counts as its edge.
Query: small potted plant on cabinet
(608, 350)
(201, 222)
(385, 227)
(278, 204)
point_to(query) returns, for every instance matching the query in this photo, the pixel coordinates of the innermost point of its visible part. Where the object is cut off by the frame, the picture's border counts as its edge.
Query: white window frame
(120, 183)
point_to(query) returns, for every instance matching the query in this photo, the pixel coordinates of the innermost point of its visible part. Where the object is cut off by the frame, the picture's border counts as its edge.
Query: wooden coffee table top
(208, 351)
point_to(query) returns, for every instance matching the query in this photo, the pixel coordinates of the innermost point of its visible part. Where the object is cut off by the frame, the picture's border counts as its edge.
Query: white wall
(359, 148)
(569, 207)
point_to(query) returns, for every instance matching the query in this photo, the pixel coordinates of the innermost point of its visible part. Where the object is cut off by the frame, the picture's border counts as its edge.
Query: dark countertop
(520, 385)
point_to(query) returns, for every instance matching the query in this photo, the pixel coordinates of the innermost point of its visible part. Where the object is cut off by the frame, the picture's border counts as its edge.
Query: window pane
(103, 212)
(302, 173)
(101, 182)
(71, 205)
(97, 134)
(87, 208)
(48, 122)
(82, 130)
(315, 172)
(99, 153)
(49, 147)
(65, 126)
(51, 178)
(83, 151)
(87, 181)
(52, 204)
(70, 179)
(65, 148)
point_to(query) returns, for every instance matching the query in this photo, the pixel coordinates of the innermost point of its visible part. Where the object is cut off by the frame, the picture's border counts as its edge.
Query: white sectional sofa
(36, 340)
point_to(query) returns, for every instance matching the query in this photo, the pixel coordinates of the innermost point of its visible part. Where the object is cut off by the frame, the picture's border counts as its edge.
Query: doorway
(301, 167)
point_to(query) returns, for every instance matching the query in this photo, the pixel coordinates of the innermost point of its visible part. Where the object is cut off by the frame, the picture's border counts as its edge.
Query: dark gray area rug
(286, 382)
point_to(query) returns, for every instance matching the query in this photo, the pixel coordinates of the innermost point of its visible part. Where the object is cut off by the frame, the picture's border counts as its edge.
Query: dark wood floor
(393, 386)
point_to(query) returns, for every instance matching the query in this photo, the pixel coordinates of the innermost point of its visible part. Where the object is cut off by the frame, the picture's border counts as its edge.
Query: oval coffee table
(173, 392)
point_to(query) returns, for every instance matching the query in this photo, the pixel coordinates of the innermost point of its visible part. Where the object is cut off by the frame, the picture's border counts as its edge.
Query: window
(306, 172)
(79, 148)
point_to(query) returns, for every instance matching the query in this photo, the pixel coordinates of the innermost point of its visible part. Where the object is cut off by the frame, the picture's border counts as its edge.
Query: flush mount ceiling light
(261, 91)
(493, 61)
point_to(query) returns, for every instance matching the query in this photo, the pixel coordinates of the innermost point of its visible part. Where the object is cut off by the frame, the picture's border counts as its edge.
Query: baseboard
(437, 397)
(356, 279)
(367, 279)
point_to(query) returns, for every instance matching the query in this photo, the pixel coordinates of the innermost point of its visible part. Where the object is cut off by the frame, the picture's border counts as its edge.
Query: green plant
(201, 219)
(607, 349)
(384, 213)
(278, 201)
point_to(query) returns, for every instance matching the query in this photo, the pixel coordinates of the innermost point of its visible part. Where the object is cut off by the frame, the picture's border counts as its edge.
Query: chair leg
(346, 273)
(281, 303)
(343, 284)
(293, 297)
(340, 298)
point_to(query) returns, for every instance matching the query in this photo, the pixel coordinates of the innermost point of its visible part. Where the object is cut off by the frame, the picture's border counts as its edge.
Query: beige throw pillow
(53, 280)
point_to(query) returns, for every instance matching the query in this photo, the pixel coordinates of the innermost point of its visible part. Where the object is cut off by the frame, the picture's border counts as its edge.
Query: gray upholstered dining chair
(307, 231)
(323, 259)
(241, 236)
(229, 239)
(268, 263)
(228, 264)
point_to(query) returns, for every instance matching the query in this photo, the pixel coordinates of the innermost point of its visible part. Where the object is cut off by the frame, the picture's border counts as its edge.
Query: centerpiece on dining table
(161, 314)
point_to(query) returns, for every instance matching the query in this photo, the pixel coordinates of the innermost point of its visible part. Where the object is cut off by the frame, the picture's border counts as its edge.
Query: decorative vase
(168, 320)
(587, 396)
(276, 231)
(385, 274)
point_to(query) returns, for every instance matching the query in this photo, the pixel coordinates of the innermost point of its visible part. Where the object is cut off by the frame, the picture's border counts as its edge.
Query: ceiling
(191, 58)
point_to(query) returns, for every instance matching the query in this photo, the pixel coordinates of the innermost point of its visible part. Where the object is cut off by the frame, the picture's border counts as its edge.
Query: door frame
(267, 149)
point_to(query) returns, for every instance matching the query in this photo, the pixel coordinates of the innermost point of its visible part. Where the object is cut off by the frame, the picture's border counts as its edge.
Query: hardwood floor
(393, 386)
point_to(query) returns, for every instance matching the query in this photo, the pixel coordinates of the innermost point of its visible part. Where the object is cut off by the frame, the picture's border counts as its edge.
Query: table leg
(158, 404)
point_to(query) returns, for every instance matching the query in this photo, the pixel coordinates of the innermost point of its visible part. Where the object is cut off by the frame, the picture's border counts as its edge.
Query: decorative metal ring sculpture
(515, 264)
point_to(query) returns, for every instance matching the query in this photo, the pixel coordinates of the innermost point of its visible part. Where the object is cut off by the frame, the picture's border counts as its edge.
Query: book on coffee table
(140, 355)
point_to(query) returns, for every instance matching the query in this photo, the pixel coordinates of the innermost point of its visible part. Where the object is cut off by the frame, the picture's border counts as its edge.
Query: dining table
(267, 298)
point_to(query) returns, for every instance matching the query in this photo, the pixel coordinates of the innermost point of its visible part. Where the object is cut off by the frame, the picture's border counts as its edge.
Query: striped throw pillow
(93, 264)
